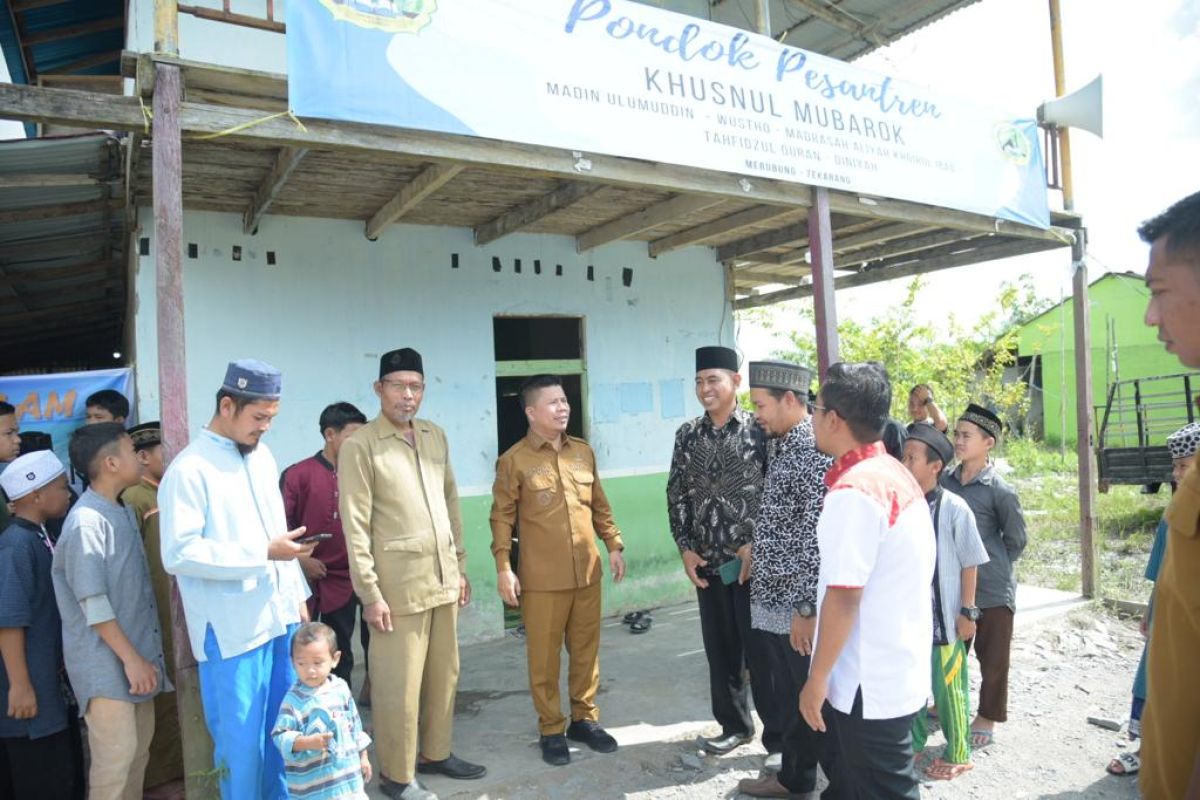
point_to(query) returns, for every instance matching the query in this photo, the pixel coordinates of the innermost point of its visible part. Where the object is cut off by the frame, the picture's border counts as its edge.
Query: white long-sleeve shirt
(218, 512)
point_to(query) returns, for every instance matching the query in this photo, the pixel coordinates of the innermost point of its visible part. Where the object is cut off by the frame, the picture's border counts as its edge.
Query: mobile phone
(313, 538)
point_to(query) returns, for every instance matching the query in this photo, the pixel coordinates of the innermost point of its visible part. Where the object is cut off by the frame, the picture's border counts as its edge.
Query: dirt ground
(1069, 662)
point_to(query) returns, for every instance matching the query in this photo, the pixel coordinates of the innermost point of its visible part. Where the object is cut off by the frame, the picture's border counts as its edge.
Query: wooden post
(167, 154)
(820, 243)
(1083, 338)
(166, 27)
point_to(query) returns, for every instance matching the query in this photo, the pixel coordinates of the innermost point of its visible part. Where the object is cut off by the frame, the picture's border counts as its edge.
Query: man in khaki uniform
(547, 486)
(400, 516)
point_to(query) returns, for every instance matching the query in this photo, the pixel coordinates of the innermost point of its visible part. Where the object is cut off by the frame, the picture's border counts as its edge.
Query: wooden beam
(86, 290)
(58, 210)
(1084, 430)
(641, 221)
(83, 331)
(41, 274)
(820, 226)
(41, 180)
(286, 161)
(793, 275)
(91, 109)
(526, 214)
(71, 31)
(428, 181)
(840, 19)
(718, 227)
(61, 311)
(166, 27)
(94, 60)
(231, 18)
(1004, 249)
(888, 249)
(80, 244)
(790, 234)
(21, 6)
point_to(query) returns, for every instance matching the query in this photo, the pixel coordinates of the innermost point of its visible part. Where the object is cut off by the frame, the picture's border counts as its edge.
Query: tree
(961, 365)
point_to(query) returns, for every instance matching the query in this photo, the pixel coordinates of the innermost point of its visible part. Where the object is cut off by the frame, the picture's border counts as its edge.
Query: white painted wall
(335, 301)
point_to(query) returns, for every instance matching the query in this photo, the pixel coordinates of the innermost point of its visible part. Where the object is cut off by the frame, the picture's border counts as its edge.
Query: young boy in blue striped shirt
(318, 731)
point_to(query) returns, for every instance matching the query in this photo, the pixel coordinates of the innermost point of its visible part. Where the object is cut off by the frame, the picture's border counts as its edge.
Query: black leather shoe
(405, 791)
(554, 750)
(591, 734)
(452, 767)
(726, 742)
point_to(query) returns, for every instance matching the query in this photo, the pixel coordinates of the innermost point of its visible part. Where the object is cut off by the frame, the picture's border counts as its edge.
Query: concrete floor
(653, 699)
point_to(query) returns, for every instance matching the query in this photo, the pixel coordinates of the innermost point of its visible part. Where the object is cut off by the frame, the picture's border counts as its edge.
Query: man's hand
(22, 701)
(313, 741)
(364, 764)
(379, 616)
(691, 561)
(284, 547)
(304, 615)
(966, 628)
(143, 677)
(802, 634)
(509, 586)
(616, 563)
(314, 568)
(743, 555)
(812, 702)
(464, 590)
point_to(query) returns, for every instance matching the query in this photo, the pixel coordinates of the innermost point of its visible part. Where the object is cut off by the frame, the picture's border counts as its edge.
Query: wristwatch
(972, 613)
(805, 609)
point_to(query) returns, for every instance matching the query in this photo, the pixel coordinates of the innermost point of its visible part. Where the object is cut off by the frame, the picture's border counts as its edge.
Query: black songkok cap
(987, 420)
(403, 360)
(146, 435)
(716, 358)
(937, 441)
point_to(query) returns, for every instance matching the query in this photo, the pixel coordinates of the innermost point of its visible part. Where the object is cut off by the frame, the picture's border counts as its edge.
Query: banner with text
(621, 78)
(55, 403)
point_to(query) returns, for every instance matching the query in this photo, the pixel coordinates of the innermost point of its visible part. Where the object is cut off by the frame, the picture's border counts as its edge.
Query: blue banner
(54, 403)
(626, 79)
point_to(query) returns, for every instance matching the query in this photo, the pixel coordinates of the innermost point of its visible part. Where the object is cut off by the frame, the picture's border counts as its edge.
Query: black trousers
(732, 649)
(342, 622)
(50, 768)
(875, 756)
(803, 748)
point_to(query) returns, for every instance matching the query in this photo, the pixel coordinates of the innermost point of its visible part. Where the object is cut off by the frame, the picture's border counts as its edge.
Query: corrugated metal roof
(77, 37)
(62, 273)
(844, 29)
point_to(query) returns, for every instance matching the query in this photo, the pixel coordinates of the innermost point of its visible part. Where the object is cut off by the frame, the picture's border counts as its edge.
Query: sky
(1149, 54)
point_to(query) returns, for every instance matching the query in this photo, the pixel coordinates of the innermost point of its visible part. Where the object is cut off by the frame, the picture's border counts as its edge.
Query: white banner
(621, 78)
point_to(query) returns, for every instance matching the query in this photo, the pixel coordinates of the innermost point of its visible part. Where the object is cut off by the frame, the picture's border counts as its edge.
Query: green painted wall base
(654, 573)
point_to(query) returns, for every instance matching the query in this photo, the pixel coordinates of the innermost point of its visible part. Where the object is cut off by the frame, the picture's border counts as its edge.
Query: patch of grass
(1126, 521)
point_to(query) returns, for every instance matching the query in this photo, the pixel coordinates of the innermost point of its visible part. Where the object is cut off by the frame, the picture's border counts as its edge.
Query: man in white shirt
(225, 538)
(870, 669)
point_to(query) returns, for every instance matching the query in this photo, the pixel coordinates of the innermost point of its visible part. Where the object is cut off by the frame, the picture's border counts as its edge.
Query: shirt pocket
(402, 546)
(540, 490)
(585, 482)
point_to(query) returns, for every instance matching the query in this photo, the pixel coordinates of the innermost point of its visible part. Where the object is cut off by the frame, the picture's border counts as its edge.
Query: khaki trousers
(552, 619)
(414, 675)
(119, 734)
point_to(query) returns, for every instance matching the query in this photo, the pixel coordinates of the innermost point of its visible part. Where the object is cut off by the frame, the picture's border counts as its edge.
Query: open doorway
(527, 346)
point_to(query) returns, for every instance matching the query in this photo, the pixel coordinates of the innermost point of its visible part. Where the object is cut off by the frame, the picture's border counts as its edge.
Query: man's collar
(985, 475)
(852, 457)
(388, 428)
(323, 461)
(24, 523)
(146, 479)
(735, 418)
(221, 441)
(537, 441)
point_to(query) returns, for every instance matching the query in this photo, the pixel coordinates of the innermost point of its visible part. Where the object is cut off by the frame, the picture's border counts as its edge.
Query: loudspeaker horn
(1082, 108)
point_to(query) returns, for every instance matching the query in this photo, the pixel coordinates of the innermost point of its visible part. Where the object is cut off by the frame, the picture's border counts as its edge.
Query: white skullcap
(29, 473)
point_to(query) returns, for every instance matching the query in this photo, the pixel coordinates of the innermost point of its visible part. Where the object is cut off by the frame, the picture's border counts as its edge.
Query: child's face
(151, 459)
(10, 438)
(1180, 466)
(124, 465)
(314, 662)
(54, 498)
(970, 442)
(100, 414)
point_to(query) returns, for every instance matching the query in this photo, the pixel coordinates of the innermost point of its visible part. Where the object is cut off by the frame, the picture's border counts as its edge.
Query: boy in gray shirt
(111, 642)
